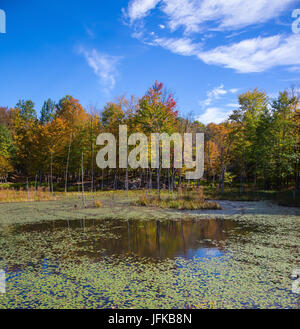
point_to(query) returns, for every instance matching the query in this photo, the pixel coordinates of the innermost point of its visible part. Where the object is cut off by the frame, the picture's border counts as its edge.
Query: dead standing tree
(67, 166)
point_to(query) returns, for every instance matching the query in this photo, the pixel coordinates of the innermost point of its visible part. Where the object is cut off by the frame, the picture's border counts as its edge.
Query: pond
(153, 239)
(187, 263)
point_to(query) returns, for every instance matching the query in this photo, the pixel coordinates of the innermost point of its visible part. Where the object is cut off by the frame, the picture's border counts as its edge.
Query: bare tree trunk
(158, 182)
(27, 188)
(158, 173)
(67, 167)
(209, 162)
(150, 182)
(223, 179)
(49, 184)
(169, 183)
(92, 158)
(41, 177)
(35, 184)
(93, 174)
(126, 179)
(173, 181)
(78, 183)
(82, 179)
(180, 174)
(115, 181)
(51, 169)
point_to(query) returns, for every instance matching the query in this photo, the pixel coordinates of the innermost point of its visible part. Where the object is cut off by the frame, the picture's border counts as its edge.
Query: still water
(153, 239)
(205, 263)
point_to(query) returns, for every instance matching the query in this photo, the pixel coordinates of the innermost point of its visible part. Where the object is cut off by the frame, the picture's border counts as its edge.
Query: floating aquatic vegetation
(237, 261)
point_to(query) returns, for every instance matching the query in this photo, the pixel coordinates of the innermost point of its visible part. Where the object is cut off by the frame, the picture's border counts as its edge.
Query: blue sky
(205, 51)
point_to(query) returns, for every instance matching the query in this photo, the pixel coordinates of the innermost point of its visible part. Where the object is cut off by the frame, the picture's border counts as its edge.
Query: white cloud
(234, 90)
(213, 115)
(181, 46)
(234, 105)
(90, 32)
(103, 65)
(138, 9)
(193, 15)
(213, 95)
(256, 55)
(137, 35)
(251, 55)
(162, 26)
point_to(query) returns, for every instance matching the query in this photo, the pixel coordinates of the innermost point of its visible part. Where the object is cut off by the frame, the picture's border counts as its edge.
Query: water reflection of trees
(143, 238)
(167, 239)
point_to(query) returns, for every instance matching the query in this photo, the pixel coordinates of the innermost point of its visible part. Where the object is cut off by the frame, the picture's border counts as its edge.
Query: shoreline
(120, 208)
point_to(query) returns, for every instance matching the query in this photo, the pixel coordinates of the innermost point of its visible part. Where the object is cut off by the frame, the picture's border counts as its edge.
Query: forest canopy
(257, 146)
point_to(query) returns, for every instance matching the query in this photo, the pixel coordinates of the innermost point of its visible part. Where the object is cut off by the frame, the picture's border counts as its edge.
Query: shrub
(97, 204)
(181, 203)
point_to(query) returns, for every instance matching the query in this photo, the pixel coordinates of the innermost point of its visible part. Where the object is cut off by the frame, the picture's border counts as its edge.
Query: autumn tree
(285, 133)
(6, 142)
(219, 147)
(26, 109)
(253, 106)
(48, 111)
(157, 114)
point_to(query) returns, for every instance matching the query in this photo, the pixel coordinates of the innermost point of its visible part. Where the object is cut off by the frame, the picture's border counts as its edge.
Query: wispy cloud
(248, 56)
(222, 14)
(215, 94)
(213, 115)
(257, 54)
(138, 9)
(233, 105)
(194, 16)
(90, 32)
(103, 65)
(211, 112)
(181, 46)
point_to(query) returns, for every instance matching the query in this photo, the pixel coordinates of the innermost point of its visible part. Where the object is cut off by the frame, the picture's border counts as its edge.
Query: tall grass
(22, 195)
(186, 199)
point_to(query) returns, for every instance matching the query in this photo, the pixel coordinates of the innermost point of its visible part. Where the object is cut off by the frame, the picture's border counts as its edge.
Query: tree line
(257, 147)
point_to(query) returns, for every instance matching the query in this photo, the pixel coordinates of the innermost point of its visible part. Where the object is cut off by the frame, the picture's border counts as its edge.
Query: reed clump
(186, 199)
